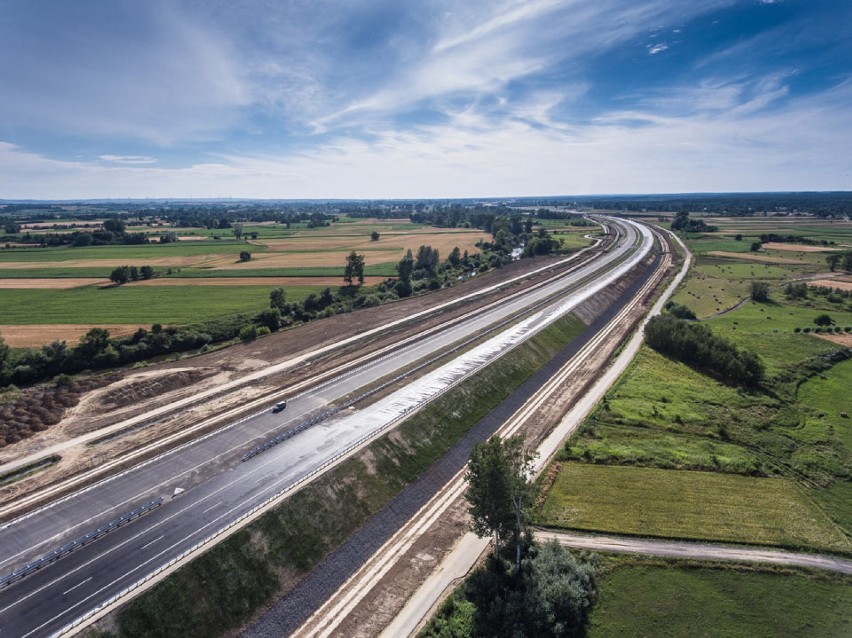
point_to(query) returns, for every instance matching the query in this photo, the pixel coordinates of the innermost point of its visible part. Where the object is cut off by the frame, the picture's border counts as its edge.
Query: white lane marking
(160, 537)
(212, 507)
(347, 376)
(80, 584)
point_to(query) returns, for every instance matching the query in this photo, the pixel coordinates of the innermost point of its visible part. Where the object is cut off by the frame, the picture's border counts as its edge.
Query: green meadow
(672, 452)
(663, 599)
(687, 505)
(136, 304)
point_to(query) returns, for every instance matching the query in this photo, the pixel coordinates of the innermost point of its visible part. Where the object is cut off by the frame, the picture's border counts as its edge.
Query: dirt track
(98, 409)
(60, 283)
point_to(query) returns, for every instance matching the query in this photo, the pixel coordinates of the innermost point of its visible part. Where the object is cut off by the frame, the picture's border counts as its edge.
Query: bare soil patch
(253, 281)
(754, 257)
(59, 283)
(39, 335)
(798, 248)
(832, 283)
(40, 407)
(232, 363)
(178, 261)
(842, 339)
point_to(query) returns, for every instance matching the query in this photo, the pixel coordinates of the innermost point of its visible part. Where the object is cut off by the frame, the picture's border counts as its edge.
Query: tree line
(840, 261)
(695, 345)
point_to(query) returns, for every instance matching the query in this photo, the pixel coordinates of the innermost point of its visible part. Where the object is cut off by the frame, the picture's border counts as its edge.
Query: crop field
(686, 504)
(787, 437)
(671, 599)
(135, 304)
(201, 278)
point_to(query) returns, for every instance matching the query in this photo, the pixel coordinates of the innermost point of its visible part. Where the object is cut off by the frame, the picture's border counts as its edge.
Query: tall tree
(405, 267)
(354, 268)
(277, 298)
(499, 491)
(120, 275)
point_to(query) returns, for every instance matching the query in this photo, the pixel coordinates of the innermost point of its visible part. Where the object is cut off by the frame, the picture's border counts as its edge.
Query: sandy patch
(396, 241)
(799, 248)
(754, 257)
(253, 281)
(179, 261)
(299, 260)
(50, 284)
(34, 336)
(832, 283)
(843, 339)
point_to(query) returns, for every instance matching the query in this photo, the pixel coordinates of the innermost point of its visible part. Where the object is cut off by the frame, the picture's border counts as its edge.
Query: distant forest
(438, 212)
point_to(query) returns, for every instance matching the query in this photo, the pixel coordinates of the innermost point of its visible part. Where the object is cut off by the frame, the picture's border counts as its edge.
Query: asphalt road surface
(218, 488)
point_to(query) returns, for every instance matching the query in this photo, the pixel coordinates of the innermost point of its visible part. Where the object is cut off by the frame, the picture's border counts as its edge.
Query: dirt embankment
(135, 392)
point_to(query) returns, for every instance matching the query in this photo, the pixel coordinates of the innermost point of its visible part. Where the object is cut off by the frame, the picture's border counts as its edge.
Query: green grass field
(675, 600)
(787, 436)
(131, 254)
(823, 399)
(767, 330)
(129, 304)
(690, 505)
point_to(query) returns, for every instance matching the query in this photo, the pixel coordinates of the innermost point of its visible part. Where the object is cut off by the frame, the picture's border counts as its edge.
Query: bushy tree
(405, 267)
(499, 492)
(278, 298)
(559, 592)
(354, 269)
(120, 275)
(760, 291)
(679, 310)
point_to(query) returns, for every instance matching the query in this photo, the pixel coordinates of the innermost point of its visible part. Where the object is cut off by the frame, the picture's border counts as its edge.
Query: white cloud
(806, 145)
(128, 159)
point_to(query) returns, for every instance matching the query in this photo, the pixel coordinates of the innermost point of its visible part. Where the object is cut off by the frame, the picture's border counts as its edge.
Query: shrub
(248, 333)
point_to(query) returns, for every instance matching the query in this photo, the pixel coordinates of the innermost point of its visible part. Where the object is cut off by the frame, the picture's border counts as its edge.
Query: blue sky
(420, 98)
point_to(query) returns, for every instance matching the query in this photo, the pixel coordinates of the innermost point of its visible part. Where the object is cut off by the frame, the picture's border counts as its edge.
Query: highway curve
(207, 489)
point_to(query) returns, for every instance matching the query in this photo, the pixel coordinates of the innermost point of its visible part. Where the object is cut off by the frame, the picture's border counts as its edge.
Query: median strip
(82, 541)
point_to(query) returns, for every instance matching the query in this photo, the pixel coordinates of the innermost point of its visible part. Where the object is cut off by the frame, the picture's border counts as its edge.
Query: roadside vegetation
(244, 572)
(763, 455)
(524, 588)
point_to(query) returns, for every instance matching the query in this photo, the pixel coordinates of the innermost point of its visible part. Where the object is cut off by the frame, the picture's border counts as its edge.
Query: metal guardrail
(246, 515)
(284, 436)
(77, 543)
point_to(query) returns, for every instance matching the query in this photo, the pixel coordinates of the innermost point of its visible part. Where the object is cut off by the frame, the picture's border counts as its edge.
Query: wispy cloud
(373, 98)
(128, 159)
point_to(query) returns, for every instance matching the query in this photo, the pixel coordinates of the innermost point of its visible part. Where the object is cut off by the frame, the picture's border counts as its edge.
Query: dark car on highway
(279, 406)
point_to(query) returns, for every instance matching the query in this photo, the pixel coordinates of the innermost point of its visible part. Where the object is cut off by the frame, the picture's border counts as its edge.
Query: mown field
(662, 599)
(672, 452)
(135, 304)
(688, 505)
(276, 251)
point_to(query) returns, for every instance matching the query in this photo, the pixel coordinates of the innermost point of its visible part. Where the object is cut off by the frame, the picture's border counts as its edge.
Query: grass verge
(224, 587)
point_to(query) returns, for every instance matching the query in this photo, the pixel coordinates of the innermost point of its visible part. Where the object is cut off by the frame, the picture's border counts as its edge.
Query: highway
(218, 489)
